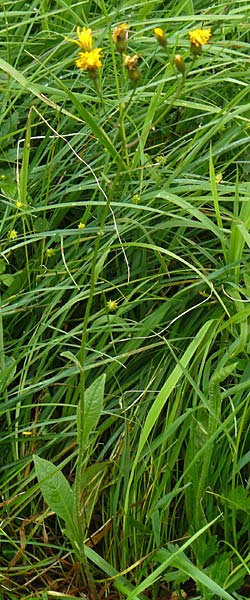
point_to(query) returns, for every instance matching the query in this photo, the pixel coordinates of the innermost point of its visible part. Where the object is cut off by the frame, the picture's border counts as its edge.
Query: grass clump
(124, 270)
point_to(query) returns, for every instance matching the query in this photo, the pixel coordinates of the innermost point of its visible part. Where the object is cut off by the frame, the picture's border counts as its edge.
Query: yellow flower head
(84, 39)
(130, 62)
(90, 61)
(160, 36)
(198, 38)
(81, 225)
(12, 234)
(120, 37)
(112, 305)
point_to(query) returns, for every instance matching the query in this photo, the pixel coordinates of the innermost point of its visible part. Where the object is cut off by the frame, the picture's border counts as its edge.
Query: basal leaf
(55, 490)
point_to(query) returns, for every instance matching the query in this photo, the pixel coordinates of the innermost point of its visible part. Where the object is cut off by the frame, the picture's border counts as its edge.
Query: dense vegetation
(125, 291)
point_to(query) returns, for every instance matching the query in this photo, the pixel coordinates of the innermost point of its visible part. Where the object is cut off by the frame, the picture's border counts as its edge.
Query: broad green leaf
(55, 490)
(93, 404)
(7, 279)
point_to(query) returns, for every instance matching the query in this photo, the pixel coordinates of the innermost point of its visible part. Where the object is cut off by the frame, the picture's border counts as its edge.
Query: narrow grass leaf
(163, 396)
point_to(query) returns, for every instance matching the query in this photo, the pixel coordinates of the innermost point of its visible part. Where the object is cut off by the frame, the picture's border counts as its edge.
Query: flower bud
(179, 63)
(160, 36)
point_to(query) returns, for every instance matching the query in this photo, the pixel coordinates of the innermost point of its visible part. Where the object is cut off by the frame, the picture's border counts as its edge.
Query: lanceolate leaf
(55, 490)
(93, 403)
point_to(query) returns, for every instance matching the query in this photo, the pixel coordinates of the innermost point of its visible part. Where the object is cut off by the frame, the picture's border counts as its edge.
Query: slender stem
(176, 95)
(170, 106)
(79, 517)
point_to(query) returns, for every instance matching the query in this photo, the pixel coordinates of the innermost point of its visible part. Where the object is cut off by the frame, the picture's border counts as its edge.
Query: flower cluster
(197, 38)
(90, 59)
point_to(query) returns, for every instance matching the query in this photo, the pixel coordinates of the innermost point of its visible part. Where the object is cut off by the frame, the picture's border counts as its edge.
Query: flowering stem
(129, 102)
(79, 516)
(176, 95)
(99, 92)
(170, 106)
(122, 114)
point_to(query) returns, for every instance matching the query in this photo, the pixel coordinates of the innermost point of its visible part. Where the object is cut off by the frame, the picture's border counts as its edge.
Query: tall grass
(133, 198)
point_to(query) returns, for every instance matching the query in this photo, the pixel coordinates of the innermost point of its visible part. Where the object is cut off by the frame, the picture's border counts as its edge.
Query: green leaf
(2, 266)
(93, 404)
(7, 279)
(7, 373)
(219, 570)
(55, 490)
(238, 499)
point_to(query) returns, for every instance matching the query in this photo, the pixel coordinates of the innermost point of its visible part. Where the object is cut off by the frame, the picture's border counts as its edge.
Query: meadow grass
(125, 289)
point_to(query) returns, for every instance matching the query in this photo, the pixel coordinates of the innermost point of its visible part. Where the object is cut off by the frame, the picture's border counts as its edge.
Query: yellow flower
(120, 37)
(219, 177)
(112, 305)
(198, 38)
(84, 39)
(19, 204)
(81, 225)
(160, 36)
(130, 62)
(12, 234)
(90, 61)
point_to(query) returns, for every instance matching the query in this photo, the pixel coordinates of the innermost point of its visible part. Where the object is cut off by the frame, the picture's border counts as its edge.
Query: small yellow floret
(112, 305)
(81, 225)
(12, 234)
